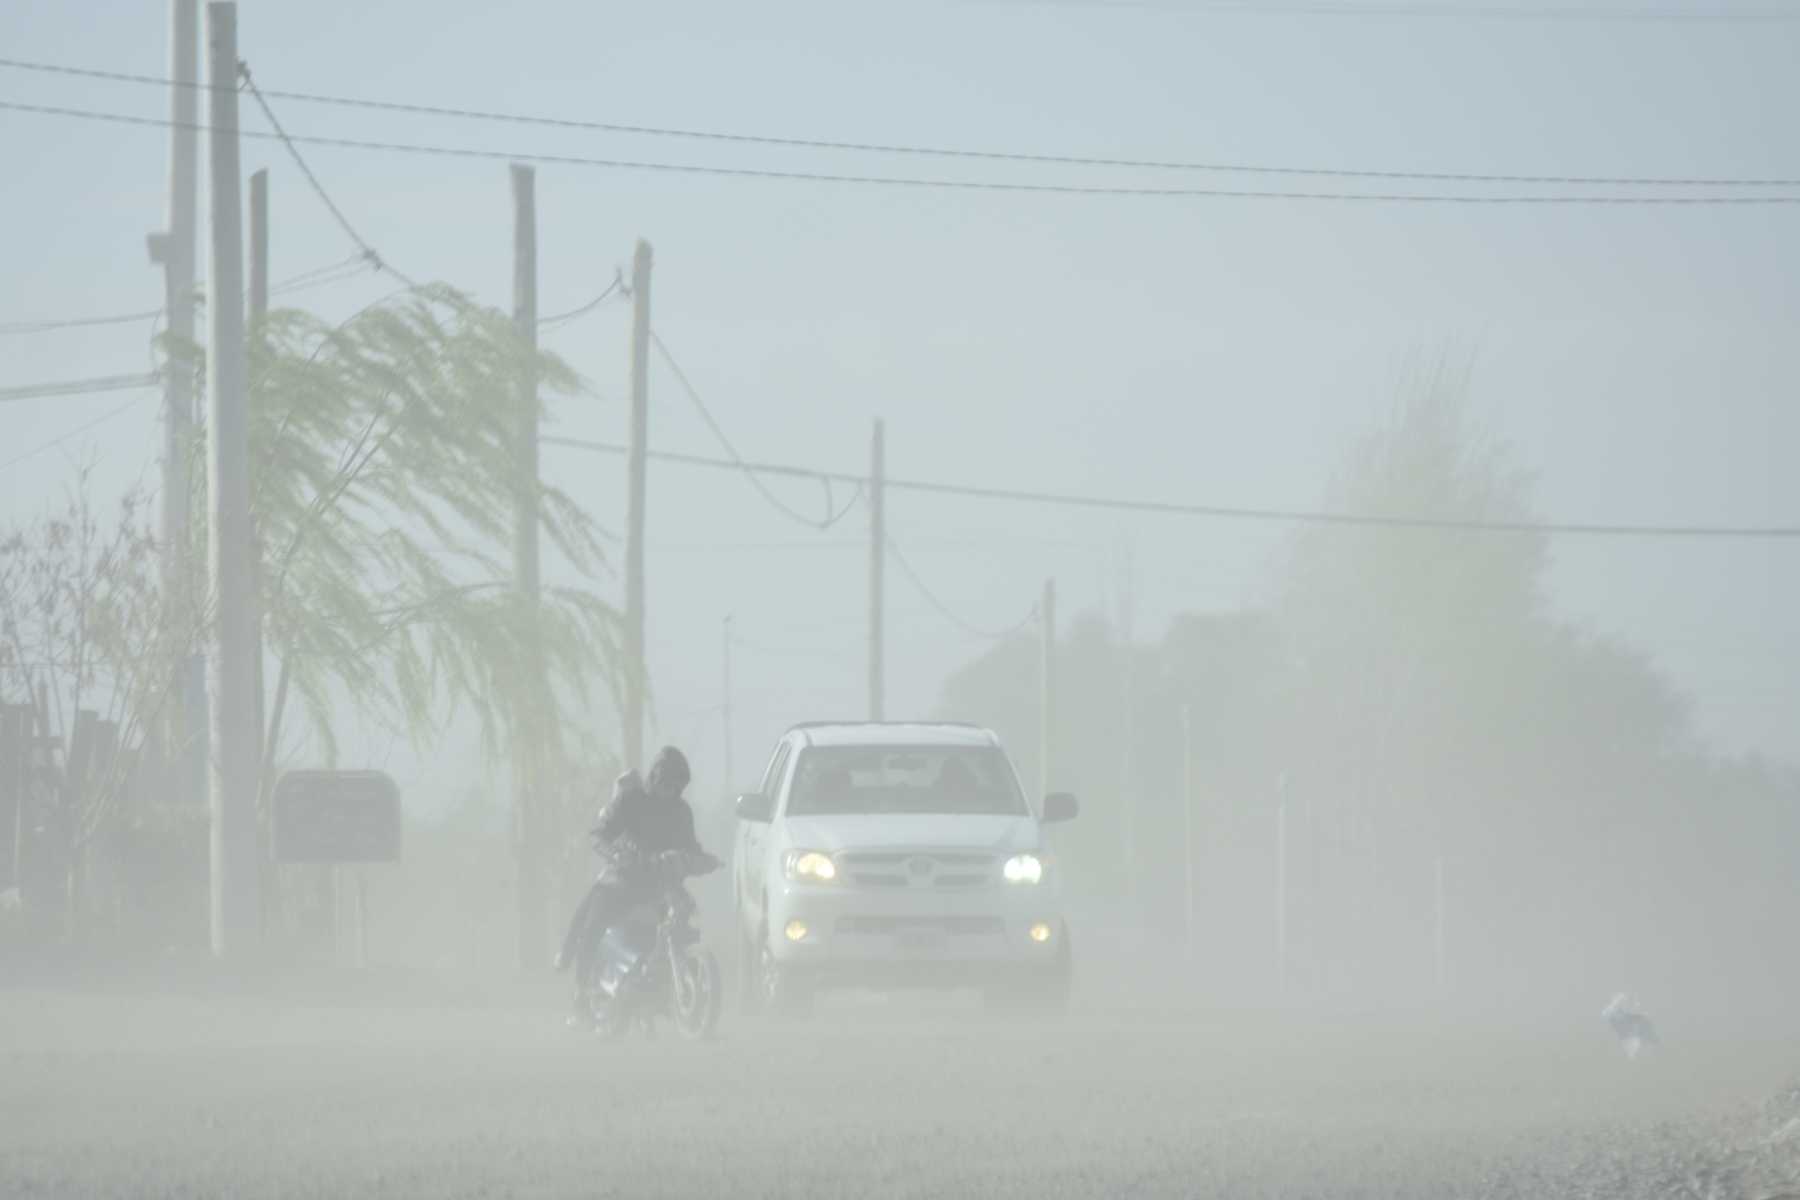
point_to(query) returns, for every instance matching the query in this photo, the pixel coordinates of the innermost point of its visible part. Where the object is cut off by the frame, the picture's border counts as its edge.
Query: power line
(616, 285)
(928, 151)
(1533, 12)
(831, 518)
(946, 612)
(72, 434)
(917, 182)
(1291, 516)
(319, 277)
(79, 387)
(368, 252)
(50, 326)
(306, 280)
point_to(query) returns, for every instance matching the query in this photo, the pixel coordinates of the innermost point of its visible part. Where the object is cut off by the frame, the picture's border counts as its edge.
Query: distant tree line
(1410, 701)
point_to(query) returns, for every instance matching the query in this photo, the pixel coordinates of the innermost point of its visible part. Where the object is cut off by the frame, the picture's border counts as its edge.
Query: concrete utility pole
(1047, 683)
(235, 751)
(533, 894)
(259, 315)
(174, 250)
(877, 574)
(636, 674)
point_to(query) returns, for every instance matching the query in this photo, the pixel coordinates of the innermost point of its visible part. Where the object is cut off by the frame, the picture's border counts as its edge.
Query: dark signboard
(336, 817)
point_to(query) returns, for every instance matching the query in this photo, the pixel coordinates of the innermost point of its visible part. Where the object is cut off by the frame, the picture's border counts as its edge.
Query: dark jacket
(637, 826)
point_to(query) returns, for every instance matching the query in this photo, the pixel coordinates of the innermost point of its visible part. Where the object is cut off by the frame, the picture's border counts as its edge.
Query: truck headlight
(810, 866)
(1023, 868)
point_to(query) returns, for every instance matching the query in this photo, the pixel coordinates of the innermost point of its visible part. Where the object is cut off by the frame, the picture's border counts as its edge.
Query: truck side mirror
(754, 806)
(1060, 806)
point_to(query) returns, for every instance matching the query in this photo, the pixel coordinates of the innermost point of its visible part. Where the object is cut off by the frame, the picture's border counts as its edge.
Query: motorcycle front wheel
(699, 994)
(605, 1015)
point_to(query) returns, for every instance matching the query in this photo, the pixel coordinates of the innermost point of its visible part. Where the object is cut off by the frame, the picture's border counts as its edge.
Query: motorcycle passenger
(645, 819)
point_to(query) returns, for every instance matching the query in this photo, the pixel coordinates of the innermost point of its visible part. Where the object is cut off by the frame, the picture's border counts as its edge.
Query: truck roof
(894, 733)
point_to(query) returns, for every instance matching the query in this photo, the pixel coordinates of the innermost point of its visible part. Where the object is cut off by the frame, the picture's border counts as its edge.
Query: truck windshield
(972, 780)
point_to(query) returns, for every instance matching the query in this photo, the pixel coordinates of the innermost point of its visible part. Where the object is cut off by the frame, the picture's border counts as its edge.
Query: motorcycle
(651, 964)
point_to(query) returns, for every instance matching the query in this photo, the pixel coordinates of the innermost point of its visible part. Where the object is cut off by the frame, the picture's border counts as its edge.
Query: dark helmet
(668, 772)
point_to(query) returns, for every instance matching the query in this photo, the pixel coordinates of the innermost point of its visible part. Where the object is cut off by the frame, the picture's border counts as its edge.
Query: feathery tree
(386, 470)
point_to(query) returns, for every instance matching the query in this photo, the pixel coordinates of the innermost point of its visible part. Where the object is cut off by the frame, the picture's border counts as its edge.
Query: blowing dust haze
(1018, 598)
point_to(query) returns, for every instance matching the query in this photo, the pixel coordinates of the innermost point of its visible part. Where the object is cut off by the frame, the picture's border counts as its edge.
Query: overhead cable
(79, 387)
(944, 610)
(1481, 12)
(104, 417)
(1293, 516)
(832, 515)
(924, 183)
(561, 318)
(362, 244)
(304, 281)
(928, 151)
(49, 326)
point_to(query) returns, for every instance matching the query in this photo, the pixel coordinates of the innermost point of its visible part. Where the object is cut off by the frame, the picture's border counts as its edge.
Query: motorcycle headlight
(810, 866)
(1023, 868)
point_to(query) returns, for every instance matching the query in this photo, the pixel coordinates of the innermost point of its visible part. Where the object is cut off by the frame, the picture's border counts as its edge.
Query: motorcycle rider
(645, 819)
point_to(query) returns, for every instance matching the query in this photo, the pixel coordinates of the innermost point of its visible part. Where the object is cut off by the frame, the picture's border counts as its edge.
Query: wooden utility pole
(1047, 684)
(1440, 965)
(1128, 711)
(877, 574)
(259, 253)
(1190, 868)
(173, 249)
(1281, 888)
(636, 674)
(528, 783)
(235, 750)
(730, 773)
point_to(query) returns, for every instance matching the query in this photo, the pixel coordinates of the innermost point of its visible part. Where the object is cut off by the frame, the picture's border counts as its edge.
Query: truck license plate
(921, 939)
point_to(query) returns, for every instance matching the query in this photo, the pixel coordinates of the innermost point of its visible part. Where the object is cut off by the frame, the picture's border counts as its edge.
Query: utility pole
(635, 673)
(1187, 825)
(1439, 963)
(1281, 886)
(270, 891)
(730, 776)
(1128, 709)
(259, 252)
(259, 316)
(234, 753)
(174, 250)
(1047, 682)
(877, 572)
(533, 895)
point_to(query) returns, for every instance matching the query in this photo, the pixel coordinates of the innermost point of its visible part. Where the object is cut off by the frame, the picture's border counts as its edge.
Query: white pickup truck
(897, 855)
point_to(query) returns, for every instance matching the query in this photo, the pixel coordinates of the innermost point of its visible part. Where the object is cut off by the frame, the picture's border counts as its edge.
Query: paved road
(145, 1096)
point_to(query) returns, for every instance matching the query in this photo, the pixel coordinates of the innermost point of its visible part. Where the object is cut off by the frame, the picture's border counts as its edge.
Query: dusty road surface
(166, 1095)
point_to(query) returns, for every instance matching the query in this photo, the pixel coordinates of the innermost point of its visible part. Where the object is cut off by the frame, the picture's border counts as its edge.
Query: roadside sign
(335, 817)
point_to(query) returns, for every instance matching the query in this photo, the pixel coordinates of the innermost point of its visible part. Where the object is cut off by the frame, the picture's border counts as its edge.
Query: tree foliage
(86, 641)
(387, 468)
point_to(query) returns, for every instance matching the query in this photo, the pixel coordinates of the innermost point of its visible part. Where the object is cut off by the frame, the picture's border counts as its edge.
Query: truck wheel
(749, 973)
(1043, 993)
(784, 993)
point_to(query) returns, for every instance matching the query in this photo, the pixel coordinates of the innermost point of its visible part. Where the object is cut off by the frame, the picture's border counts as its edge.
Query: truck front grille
(919, 868)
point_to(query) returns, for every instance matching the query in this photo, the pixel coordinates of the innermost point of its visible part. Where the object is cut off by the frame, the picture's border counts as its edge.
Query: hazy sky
(1639, 360)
